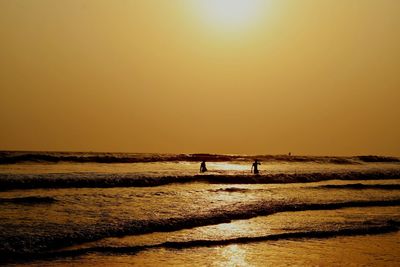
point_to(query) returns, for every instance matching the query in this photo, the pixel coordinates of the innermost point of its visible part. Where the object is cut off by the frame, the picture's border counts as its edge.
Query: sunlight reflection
(234, 256)
(232, 228)
(228, 166)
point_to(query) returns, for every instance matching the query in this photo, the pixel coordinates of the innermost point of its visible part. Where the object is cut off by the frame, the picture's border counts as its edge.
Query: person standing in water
(203, 167)
(254, 167)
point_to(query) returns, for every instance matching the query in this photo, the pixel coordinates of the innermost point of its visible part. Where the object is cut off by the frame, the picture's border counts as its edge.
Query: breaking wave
(28, 200)
(367, 228)
(16, 246)
(383, 227)
(106, 180)
(362, 186)
(12, 157)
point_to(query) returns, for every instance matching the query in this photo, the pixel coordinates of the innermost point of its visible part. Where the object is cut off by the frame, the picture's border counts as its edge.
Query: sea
(135, 209)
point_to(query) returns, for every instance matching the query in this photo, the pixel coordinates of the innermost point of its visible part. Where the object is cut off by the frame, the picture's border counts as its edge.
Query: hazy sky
(311, 77)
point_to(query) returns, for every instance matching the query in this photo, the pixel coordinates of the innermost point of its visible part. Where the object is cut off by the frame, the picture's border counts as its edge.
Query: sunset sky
(314, 77)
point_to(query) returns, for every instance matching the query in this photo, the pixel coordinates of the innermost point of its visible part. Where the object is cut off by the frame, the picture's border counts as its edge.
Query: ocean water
(60, 209)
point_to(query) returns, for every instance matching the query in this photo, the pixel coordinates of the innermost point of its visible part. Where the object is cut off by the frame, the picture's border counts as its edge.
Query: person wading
(203, 167)
(254, 167)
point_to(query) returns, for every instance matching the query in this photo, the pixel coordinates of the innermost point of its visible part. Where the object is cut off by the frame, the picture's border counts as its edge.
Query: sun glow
(231, 13)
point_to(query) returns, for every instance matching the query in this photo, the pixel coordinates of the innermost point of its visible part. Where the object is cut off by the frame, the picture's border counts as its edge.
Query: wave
(383, 227)
(28, 200)
(13, 157)
(29, 245)
(377, 159)
(233, 190)
(106, 180)
(369, 228)
(362, 186)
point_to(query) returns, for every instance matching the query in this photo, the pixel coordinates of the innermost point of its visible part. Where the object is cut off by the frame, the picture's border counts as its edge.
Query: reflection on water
(233, 255)
(379, 250)
(234, 228)
(228, 166)
(279, 223)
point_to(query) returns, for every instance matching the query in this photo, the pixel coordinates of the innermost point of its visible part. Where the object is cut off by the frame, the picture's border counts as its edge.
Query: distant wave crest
(12, 157)
(358, 186)
(28, 200)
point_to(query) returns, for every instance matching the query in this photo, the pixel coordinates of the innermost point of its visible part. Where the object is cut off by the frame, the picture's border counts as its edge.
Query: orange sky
(311, 77)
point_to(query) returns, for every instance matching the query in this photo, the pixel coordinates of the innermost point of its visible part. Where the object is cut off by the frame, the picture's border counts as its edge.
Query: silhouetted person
(203, 167)
(290, 153)
(254, 167)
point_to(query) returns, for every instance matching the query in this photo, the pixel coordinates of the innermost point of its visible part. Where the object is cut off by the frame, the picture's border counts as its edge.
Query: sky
(313, 77)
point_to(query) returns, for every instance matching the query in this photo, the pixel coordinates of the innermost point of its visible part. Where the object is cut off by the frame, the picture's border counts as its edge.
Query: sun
(232, 14)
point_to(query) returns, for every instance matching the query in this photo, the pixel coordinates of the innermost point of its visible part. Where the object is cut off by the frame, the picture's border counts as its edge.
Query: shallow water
(211, 222)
